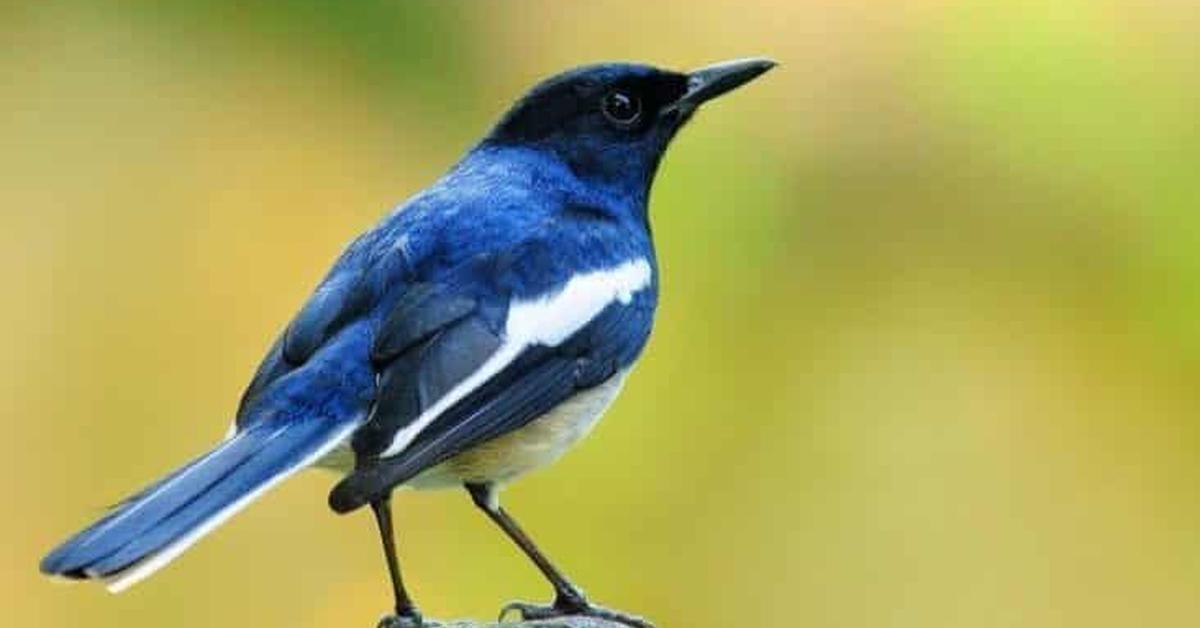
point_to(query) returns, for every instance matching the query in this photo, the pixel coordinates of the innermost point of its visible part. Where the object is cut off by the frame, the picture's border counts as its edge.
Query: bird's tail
(149, 529)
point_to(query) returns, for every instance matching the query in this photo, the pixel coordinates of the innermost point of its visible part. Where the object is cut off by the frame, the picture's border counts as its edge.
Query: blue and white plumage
(472, 335)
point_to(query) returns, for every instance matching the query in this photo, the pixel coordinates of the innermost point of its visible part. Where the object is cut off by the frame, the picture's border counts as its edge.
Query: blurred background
(927, 351)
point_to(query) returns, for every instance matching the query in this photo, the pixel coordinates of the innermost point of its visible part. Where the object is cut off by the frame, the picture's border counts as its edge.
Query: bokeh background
(927, 352)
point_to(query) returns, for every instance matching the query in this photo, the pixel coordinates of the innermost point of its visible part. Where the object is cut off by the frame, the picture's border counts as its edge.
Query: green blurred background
(928, 345)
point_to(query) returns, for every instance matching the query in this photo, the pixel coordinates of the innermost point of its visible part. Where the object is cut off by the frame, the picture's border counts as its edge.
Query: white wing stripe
(547, 321)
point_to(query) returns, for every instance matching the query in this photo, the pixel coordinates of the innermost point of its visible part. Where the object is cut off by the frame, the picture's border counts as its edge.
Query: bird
(472, 335)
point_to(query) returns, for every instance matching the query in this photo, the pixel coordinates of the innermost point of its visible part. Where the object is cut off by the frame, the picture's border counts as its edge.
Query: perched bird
(473, 335)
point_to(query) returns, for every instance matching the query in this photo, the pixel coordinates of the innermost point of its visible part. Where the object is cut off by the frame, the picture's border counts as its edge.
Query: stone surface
(564, 622)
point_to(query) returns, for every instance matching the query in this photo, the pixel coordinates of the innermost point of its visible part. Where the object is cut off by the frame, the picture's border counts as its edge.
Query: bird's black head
(612, 122)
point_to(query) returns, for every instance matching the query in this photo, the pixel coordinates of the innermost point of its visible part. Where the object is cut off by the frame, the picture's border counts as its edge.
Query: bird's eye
(622, 107)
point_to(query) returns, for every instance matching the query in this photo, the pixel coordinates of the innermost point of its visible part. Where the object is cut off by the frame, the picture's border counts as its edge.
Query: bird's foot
(410, 619)
(571, 605)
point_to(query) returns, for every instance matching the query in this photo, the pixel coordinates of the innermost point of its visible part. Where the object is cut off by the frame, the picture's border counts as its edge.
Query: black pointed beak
(714, 80)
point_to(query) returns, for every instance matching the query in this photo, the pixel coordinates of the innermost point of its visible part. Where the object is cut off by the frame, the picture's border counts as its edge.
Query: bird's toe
(414, 620)
(526, 611)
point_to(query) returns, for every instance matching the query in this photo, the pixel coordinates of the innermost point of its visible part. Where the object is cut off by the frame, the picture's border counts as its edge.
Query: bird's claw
(580, 607)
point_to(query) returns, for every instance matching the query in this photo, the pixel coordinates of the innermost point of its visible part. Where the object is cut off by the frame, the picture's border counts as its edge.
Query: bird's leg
(406, 615)
(568, 598)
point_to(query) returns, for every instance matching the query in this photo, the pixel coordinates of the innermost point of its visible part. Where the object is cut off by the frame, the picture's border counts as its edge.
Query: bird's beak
(712, 81)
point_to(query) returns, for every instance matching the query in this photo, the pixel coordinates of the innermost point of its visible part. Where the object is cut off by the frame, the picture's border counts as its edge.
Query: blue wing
(532, 384)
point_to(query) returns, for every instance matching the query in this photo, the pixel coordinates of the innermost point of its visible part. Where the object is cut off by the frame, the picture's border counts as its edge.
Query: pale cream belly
(503, 459)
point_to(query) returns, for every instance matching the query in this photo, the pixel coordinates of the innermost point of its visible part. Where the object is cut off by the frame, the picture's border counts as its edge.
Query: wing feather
(418, 378)
(537, 390)
(421, 311)
(535, 382)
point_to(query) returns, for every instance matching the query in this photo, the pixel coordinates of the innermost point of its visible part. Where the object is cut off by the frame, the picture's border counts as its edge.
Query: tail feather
(139, 513)
(148, 530)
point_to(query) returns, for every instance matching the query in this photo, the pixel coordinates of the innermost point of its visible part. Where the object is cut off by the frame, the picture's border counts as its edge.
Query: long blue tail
(149, 529)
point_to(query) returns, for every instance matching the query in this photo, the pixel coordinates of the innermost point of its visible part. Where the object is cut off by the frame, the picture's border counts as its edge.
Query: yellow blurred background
(927, 351)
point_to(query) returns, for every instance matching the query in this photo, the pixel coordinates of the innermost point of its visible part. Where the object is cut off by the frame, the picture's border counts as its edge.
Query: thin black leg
(568, 598)
(565, 593)
(406, 611)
